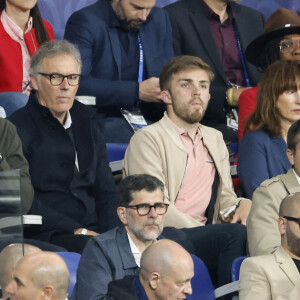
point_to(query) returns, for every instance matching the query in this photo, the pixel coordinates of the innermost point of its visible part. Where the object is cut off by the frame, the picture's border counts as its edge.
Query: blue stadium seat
(12, 101)
(235, 268)
(72, 260)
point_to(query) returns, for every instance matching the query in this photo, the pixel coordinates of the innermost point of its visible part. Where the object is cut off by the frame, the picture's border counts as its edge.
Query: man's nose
(152, 213)
(65, 83)
(142, 15)
(10, 287)
(188, 289)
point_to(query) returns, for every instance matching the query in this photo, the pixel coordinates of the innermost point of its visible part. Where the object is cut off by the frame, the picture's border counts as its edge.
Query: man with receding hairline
(9, 257)
(165, 274)
(42, 275)
(276, 276)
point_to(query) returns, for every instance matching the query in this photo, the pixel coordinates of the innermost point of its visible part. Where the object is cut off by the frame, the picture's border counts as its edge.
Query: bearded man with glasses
(276, 275)
(74, 189)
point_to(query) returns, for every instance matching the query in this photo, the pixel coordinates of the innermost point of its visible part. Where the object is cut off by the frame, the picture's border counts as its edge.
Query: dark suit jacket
(100, 50)
(105, 258)
(192, 35)
(67, 200)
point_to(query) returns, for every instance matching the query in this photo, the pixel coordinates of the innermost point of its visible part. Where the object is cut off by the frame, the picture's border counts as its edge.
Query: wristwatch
(1, 158)
(83, 231)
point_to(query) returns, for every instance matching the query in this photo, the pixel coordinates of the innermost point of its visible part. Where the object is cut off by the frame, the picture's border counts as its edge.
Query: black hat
(281, 22)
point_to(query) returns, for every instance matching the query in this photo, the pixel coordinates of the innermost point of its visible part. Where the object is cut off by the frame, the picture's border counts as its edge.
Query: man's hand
(89, 232)
(242, 212)
(149, 90)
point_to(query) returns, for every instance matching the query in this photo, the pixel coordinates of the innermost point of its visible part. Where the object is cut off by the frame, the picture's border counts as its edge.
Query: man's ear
(290, 155)
(121, 211)
(154, 280)
(166, 97)
(34, 83)
(48, 292)
(282, 225)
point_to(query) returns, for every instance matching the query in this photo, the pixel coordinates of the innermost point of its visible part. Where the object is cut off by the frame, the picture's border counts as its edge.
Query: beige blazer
(262, 228)
(266, 277)
(158, 150)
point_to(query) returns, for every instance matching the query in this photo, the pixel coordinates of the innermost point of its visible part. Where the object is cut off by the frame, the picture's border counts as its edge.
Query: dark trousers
(217, 245)
(72, 242)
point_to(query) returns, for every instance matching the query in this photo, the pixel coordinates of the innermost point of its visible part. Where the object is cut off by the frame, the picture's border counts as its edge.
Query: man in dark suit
(218, 31)
(123, 45)
(74, 189)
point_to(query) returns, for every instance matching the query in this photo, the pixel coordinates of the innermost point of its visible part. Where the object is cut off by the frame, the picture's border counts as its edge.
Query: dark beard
(132, 25)
(293, 242)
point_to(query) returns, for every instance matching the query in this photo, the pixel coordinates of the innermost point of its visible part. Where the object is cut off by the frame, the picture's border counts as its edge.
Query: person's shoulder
(109, 236)
(246, 10)
(256, 136)
(6, 126)
(177, 6)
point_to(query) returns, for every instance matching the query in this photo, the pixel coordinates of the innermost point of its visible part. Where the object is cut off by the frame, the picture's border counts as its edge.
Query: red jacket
(247, 105)
(11, 70)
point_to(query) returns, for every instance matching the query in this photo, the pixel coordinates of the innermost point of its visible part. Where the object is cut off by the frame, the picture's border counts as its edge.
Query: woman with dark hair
(262, 150)
(280, 40)
(22, 30)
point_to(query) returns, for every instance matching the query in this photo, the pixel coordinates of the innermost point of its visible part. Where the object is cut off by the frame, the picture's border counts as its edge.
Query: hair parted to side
(279, 77)
(179, 64)
(293, 136)
(53, 49)
(37, 22)
(134, 183)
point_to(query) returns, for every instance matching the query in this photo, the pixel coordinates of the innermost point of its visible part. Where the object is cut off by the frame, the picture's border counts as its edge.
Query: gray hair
(53, 49)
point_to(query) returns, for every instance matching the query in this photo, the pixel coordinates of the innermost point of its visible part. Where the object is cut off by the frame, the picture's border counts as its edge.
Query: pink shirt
(195, 193)
(17, 34)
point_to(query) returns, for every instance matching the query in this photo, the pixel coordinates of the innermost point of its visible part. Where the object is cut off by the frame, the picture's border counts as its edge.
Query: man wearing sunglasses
(276, 275)
(74, 189)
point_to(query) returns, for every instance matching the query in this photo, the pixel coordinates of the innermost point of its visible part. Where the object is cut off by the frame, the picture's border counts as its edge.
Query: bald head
(166, 270)
(290, 206)
(42, 273)
(9, 257)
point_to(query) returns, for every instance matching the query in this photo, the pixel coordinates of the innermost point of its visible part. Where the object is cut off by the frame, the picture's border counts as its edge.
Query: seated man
(117, 253)
(276, 275)
(189, 158)
(9, 257)
(11, 158)
(263, 236)
(166, 273)
(123, 45)
(74, 189)
(39, 276)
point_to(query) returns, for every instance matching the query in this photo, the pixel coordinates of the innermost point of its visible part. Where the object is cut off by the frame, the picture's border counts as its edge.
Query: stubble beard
(145, 235)
(189, 115)
(293, 242)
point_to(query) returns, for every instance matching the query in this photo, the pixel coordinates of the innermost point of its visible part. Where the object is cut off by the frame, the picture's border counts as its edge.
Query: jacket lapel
(290, 182)
(287, 265)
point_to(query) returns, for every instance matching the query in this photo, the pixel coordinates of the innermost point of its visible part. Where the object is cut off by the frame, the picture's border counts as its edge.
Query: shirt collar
(297, 176)
(68, 122)
(211, 15)
(181, 131)
(12, 28)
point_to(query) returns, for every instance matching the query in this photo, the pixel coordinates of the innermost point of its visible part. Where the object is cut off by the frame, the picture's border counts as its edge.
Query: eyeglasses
(297, 220)
(57, 79)
(144, 208)
(287, 46)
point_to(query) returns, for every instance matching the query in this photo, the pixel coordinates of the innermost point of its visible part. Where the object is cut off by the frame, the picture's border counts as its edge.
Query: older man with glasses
(276, 276)
(74, 189)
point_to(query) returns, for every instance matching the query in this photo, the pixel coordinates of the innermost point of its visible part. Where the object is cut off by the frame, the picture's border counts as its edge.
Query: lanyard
(241, 55)
(141, 61)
